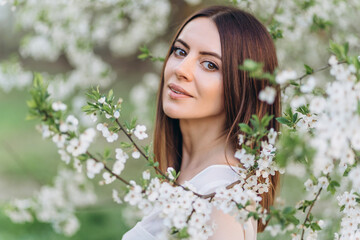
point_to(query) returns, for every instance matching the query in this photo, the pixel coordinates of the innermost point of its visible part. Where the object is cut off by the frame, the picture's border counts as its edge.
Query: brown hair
(242, 37)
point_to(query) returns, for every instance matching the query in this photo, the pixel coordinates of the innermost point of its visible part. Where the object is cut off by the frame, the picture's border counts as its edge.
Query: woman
(203, 97)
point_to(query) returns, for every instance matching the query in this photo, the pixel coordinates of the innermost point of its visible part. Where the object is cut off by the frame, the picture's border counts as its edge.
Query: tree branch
(308, 214)
(108, 169)
(308, 74)
(141, 152)
(273, 13)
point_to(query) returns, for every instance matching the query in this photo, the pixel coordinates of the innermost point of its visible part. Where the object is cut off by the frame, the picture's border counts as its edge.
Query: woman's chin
(171, 113)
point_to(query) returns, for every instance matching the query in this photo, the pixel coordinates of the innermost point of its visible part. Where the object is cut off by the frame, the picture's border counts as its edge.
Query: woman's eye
(210, 66)
(179, 52)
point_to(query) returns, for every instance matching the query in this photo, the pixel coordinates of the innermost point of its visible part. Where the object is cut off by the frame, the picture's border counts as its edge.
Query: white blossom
(108, 178)
(121, 155)
(146, 175)
(268, 95)
(297, 101)
(135, 154)
(272, 136)
(93, 167)
(111, 136)
(115, 196)
(333, 61)
(241, 139)
(309, 85)
(101, 100)
(93, 117)
(317, 105)
(58, 106)
(285, 76)
(134, 196)
(118, 167)
(140, 132)
(171, 172)
(116, 114)
(56, 204)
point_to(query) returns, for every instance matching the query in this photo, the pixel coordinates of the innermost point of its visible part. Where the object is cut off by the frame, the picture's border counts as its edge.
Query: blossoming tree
(320, 132)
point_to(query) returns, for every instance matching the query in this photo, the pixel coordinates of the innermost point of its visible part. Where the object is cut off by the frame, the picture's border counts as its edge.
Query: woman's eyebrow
(202, 52)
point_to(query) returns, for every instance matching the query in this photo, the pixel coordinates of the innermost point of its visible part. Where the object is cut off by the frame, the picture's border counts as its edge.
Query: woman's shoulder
(215, 176)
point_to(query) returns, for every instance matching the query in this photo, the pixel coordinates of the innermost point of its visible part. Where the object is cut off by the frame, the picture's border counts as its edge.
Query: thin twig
(273, 13)
(108, 169)
(141, 152)
(308, 74)
(308, 214)
(93, 157)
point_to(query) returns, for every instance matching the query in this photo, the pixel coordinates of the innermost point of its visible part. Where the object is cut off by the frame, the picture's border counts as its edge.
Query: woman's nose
(185, 69)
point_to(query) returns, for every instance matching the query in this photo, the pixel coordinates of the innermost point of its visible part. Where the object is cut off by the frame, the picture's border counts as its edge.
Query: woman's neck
(203, 139)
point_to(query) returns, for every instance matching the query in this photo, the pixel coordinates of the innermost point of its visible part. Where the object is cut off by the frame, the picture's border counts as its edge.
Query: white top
(205, 182)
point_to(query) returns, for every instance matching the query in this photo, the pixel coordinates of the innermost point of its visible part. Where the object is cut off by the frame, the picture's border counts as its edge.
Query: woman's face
(193, 86)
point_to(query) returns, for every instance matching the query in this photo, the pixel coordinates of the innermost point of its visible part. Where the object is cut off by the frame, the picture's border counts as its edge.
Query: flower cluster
(179, 208)
(351, 220)
(56, 204)
(49, 35)
(336, 130)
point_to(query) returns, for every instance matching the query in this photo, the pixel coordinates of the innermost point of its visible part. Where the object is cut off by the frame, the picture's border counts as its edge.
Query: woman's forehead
(202, 33)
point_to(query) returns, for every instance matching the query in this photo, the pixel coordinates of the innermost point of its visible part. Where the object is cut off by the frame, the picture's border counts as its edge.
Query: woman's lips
(177, 91)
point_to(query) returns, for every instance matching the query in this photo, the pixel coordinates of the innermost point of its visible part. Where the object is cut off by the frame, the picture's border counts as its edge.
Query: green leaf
(146, 150)
(294, 118)
(114, 129)
(31, 103)
(339, 50)
(332, 186)
(342, 208)
(269, 76)
(289, 210)
(250, 65)
(107, 153)
(83, 157)
(183, 233)
(127, 125)
(308, 69)
(303, 109)
(143, 56)
(283, 120)
(133, 123)
(320, 23)
(255, 122)
(110, 95)
(315, 227)
(89, 109)
(245, 128)
(91, 95)
(275, 31)
(125, 145)
(347, 170)
(255, 215)
(266, 120)
(107, 109)
(293, 219)
(306, 4)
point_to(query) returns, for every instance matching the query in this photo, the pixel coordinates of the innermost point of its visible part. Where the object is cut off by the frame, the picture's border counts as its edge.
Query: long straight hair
(242, 37)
